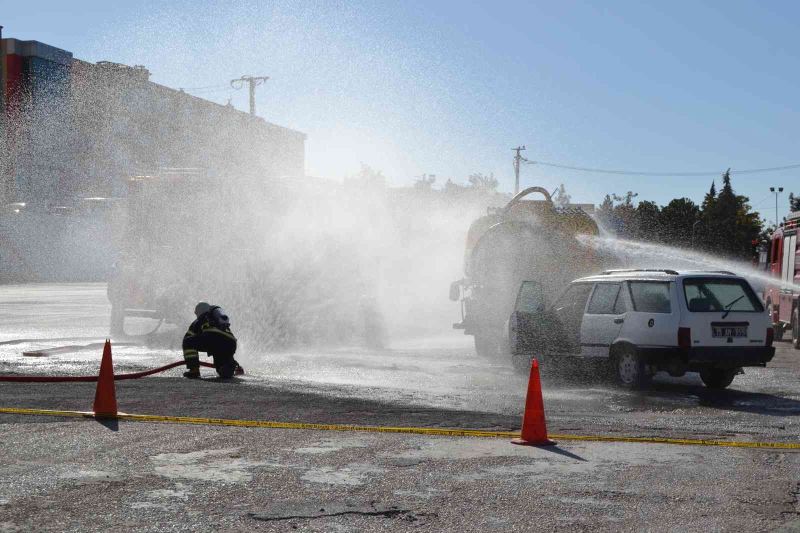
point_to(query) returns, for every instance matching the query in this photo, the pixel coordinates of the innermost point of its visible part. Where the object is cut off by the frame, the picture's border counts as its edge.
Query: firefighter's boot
(193, 365)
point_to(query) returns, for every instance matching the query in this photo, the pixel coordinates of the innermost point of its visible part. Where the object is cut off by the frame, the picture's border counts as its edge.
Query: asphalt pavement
(78, 475)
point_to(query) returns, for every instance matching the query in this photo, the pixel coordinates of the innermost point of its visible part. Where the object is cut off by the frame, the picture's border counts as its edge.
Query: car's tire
(629, 369)
(796, 329)
(718, 378)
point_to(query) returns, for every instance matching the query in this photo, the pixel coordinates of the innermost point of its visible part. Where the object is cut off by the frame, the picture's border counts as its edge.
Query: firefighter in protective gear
(210, 333)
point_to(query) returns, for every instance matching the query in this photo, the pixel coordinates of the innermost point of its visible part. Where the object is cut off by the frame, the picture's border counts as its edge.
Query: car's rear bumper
(719, 357)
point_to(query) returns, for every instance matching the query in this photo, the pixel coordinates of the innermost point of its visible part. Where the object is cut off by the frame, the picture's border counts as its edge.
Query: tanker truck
(527, 240)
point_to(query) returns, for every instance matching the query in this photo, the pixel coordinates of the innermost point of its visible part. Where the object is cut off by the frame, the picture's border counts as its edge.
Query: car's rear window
(712, 295)
(650, 296)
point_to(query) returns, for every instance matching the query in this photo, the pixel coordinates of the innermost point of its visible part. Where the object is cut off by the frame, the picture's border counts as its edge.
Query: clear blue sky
(448, 87)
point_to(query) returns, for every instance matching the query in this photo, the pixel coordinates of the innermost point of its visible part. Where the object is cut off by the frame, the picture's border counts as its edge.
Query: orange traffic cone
(534, 428)
(105, 398)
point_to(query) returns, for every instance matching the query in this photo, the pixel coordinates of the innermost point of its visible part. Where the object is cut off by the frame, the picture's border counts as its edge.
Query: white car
(645, 321)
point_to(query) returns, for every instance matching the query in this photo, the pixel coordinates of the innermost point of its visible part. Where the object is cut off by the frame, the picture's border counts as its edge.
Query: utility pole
(2, 80)
(3, 111)
(772, 190)
(253, 81)
(517, 159)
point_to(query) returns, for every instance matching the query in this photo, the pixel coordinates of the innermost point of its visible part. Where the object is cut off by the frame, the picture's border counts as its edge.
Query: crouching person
(210, 333)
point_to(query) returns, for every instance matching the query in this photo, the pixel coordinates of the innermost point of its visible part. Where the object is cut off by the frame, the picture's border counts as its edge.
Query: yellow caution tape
(389, 429)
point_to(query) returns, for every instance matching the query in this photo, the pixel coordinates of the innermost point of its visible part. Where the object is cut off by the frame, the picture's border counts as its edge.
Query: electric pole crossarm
(253, 82)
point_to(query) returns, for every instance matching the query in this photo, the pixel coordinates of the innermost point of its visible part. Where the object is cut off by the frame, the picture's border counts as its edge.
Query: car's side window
(566, 299)
(650, 296)
(620, 306)
(573, 301)
(604, 298)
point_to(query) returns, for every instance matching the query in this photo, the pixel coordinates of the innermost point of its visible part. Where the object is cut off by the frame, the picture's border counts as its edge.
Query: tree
(481, 182)
(679, 222)
(561, 198)
(425, 182)
(367, 178)
(794, 202)
(625, 214)
(731, 226)
(605, 213)
(710, 198)
(647, 221)
(618, 214)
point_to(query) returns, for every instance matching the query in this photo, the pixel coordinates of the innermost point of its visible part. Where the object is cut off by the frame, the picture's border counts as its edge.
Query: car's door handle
(619, 320)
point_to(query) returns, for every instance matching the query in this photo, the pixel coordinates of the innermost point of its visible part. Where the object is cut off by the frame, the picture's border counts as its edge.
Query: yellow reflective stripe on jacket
(219, 332)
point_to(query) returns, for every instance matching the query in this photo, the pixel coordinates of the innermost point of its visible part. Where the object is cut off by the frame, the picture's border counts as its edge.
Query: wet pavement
(280, 479)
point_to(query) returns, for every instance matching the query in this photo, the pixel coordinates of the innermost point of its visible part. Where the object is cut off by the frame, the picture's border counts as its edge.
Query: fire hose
(59, 379)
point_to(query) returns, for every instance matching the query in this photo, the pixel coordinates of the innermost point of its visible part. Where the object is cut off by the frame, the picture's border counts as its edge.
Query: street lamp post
(776, 192)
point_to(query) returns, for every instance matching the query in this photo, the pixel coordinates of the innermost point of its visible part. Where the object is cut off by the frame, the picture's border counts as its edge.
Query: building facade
(74, 129)
(72, 133)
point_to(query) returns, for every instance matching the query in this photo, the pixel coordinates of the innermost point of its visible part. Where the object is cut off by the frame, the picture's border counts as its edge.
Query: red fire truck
(782, 297)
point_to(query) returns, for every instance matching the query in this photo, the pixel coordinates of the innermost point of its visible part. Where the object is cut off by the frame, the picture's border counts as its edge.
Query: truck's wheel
(777, 327)
(485, 346)
(629, 369)
(717, 378)
(117, 321)
(796, 329)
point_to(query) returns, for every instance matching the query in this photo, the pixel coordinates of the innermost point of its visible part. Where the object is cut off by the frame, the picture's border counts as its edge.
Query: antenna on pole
(253, 82)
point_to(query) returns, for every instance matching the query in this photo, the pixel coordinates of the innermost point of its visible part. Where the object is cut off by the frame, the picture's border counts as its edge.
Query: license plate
(729, 331)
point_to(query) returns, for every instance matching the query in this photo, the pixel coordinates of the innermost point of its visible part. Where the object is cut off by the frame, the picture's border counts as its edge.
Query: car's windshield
(650, 296)
(709, 295)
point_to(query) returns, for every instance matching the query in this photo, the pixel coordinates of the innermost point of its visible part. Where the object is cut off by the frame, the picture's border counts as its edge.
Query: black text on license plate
(729, 331)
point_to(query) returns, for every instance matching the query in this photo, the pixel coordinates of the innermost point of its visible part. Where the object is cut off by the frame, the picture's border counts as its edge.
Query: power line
(202, 88)
(252, 82)
(667, 174)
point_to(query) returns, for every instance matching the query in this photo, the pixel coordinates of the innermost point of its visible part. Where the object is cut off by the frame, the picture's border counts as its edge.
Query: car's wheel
(796, 329)
(718, 378)
(629, 369)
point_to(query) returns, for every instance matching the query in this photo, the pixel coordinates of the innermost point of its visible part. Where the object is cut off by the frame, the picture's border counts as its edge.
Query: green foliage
(680, 222)
(794, 202)
(731, 226)
(724, 224)
(481, 182)
(425, 182)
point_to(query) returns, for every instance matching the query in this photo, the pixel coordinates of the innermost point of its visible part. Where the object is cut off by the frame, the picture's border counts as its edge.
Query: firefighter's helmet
(201, 308)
